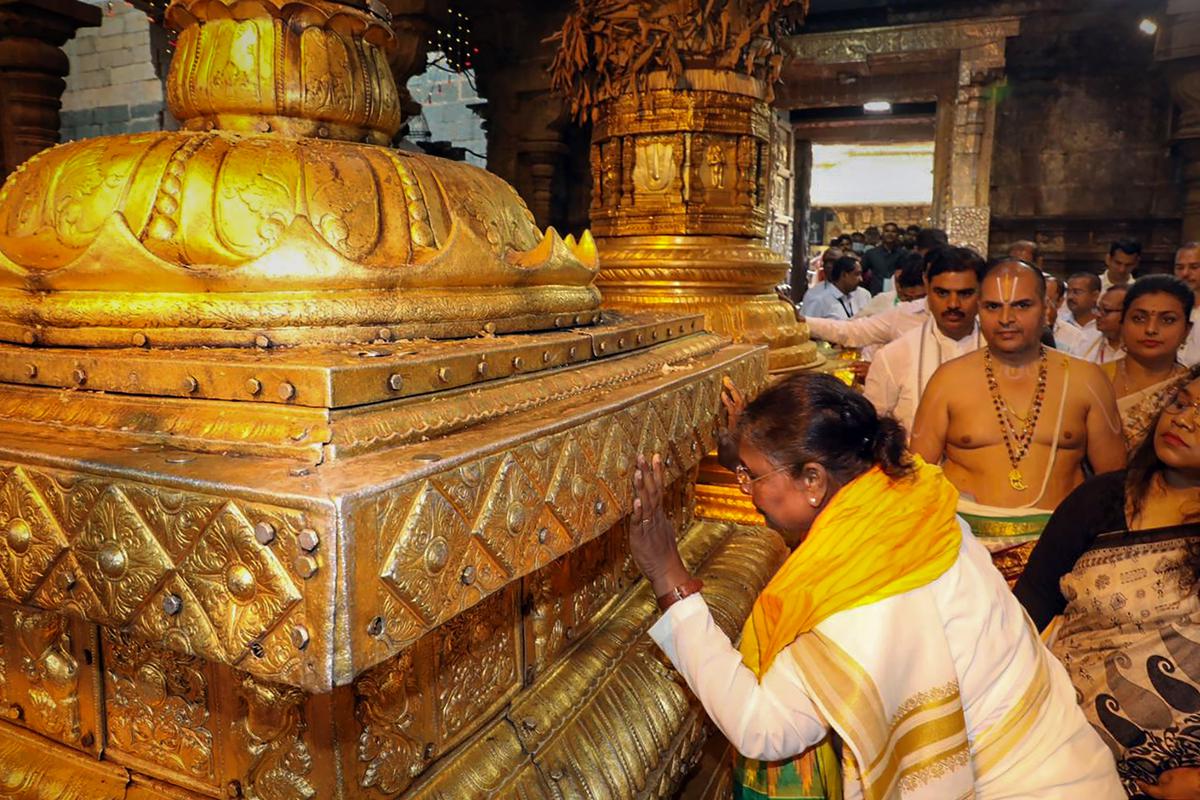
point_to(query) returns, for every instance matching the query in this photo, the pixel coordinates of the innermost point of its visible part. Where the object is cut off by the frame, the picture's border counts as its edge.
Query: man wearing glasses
(1108, 347)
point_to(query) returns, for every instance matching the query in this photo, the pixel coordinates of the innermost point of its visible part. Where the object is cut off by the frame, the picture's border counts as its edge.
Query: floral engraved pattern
(117, 549)
(30, 538)
(44, 659)
(508, 523)
(386, 703)
(575, 494)
(477, 664)
(157, 704)
(426, 560)
(272, 729)
(177, 518)
(242, 586)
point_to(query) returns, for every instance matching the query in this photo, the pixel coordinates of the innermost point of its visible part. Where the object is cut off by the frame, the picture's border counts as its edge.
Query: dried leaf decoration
(607, 47)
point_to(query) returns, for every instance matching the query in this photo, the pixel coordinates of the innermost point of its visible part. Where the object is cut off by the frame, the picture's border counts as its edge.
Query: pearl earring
(812, 501)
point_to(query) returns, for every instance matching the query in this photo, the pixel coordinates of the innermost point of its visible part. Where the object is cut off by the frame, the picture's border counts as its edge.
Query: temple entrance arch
(958, 66)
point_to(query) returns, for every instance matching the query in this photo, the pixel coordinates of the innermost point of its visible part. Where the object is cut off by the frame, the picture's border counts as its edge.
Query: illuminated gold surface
(679, 208)
(243, 557)
(237, 231)
(530, 733)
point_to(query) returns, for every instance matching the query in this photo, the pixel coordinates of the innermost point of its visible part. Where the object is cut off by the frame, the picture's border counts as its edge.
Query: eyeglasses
(1180, 403)
(746, 480)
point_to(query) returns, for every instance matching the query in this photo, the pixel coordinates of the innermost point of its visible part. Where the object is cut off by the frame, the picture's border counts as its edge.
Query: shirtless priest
(1013, 422)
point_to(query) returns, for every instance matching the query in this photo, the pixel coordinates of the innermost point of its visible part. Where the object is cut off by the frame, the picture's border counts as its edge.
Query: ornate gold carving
(842, 47)
(224, 71)
(51, 672)
(471, 666)
(273, 729)
(240, 584)
(159, 707)
(30, 538)
(387, 703)
(549, 744)
(605, 51)
(270, 243)
(565, 597)
(268, 219)
(120, 557)
(457, 536)
(680, 208)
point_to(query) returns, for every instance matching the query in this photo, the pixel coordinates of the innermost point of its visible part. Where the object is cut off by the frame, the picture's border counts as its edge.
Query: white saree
(939, 693)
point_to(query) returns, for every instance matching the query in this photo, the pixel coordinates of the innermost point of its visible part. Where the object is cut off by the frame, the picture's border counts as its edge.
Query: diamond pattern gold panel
(121, 555)
(30, 537)
(241, 585)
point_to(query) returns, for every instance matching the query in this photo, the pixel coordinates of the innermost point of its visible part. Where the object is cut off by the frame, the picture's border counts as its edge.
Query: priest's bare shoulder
(1014, 422)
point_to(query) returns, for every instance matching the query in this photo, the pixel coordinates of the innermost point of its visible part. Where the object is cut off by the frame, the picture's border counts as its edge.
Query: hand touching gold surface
(651, 534)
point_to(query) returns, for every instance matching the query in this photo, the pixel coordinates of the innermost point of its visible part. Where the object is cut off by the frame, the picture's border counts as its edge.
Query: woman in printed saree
(887, 625)
(1114, 579)
(1154, 325)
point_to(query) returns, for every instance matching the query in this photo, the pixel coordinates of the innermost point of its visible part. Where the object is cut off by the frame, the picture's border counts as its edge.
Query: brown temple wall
(1082, 154)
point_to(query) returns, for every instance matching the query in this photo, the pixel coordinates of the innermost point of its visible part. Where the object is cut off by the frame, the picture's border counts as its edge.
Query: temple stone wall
(446, 100)
(113, 86)
(1081, 154)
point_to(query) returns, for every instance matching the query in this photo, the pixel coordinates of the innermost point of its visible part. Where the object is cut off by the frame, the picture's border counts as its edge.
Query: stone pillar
(964, 208)
(32, 68)
(525, 126)
(413, 22)
(1178, 46)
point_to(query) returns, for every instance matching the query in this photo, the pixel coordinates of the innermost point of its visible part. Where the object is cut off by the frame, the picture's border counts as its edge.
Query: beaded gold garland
(1016, 443)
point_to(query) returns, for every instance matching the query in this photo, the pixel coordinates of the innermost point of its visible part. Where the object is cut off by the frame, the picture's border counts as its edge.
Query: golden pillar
(681, 168)
(681, 161)
(315, 456)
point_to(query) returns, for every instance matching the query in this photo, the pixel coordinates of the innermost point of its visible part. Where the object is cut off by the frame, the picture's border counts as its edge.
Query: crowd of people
(994, 586)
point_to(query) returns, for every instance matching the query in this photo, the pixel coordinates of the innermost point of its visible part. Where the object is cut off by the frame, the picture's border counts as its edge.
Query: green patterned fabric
(815, 774)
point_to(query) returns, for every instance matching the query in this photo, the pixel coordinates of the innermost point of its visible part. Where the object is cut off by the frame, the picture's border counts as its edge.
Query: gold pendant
(1016, 480)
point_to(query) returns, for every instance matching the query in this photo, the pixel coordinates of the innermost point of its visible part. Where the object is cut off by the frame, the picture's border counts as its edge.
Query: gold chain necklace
(1016, 443)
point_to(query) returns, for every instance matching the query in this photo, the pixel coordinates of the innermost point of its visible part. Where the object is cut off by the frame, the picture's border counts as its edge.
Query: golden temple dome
(272, 217)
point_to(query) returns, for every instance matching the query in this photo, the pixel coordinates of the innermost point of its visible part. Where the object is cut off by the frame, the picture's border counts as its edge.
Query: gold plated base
(608, 712)
(727, 279)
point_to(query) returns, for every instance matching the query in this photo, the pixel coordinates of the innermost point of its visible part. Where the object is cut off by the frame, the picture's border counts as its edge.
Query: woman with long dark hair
(1114, 578)
(887, 624)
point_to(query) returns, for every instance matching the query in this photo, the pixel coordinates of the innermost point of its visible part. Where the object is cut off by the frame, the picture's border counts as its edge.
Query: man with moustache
(1083, 292)
(901, 370)
(1013, 422)
(1062, 335)
(841, 296)
(1187, 269)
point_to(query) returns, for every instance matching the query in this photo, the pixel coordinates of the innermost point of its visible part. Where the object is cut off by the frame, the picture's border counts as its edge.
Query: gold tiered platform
(315, 457)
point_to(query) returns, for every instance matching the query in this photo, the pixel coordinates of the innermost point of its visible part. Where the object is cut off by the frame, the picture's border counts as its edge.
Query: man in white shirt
(841, 297)
(1124, 256)
(1187, 269)
(1107, 347)
(909, 280)
(950, 329)
(1083, 293)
